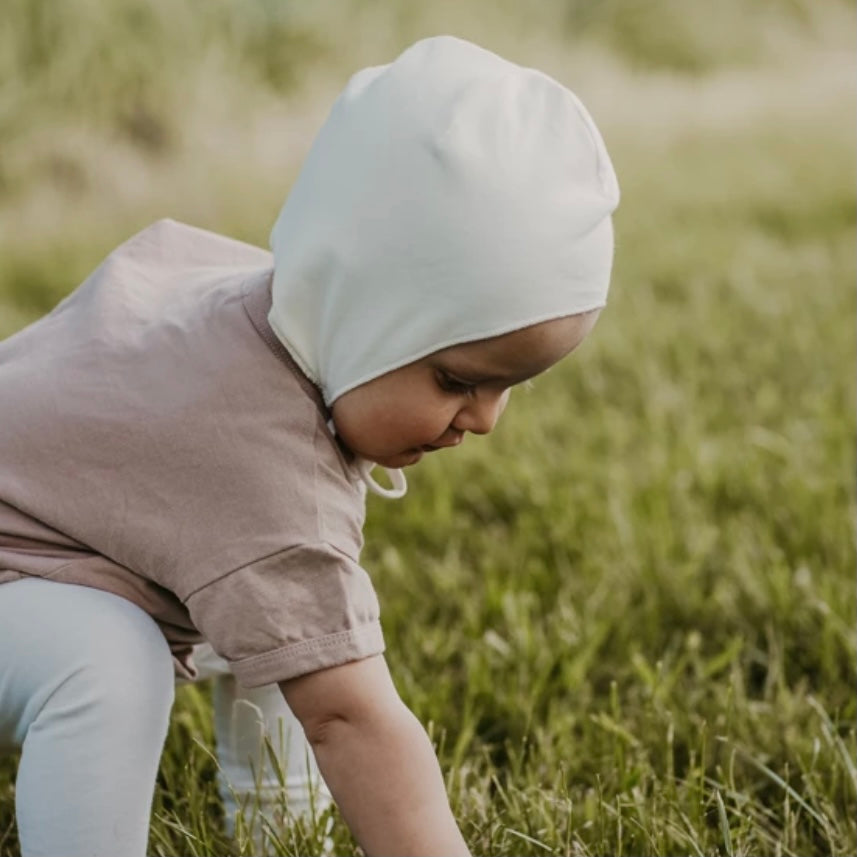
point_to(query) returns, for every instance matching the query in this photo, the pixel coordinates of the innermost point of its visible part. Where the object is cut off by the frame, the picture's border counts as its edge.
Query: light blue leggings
(86, 688)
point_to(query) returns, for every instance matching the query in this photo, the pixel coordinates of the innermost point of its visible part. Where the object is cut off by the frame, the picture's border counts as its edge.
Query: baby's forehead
(519, 354)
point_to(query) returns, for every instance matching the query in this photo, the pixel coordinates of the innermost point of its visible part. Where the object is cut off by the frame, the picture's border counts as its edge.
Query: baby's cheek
(348, 421)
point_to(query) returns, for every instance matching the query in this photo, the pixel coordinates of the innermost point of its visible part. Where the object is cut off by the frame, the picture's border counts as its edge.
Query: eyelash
(453, 385)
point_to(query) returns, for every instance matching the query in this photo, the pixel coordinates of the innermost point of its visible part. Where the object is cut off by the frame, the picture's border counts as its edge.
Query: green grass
(628, 617)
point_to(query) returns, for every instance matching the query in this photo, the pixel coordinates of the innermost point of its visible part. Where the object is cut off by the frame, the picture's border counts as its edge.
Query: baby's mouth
(433, 447)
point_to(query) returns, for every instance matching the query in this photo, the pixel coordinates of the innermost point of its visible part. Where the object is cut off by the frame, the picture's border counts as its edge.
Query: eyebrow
(476, 377)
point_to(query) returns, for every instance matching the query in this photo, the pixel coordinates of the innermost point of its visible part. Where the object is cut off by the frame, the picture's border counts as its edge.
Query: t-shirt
(158, 442)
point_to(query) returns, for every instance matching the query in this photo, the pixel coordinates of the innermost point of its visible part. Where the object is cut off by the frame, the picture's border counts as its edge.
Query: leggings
(86, 688)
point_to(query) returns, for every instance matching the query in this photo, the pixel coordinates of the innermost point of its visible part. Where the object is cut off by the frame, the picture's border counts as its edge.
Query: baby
(186, 442)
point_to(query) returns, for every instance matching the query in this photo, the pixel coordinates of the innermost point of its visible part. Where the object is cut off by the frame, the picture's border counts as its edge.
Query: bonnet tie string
(397, 477)
(365, 468)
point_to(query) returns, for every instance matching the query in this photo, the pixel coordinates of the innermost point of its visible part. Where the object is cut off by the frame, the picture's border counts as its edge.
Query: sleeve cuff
(308, 656)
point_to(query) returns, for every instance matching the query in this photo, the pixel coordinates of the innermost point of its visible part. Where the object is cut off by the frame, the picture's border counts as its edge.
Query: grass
(628, 617)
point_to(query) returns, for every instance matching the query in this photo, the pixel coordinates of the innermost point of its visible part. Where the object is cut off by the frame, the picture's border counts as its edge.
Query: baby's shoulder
(171, 242)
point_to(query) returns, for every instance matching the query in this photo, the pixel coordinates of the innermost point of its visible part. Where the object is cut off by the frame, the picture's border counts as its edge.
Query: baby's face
(430, 404)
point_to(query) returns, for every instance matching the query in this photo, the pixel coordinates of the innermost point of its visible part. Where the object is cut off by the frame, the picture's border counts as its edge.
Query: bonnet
(450, 196)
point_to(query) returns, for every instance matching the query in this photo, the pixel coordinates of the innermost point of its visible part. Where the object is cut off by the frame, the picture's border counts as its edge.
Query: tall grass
(628, 617)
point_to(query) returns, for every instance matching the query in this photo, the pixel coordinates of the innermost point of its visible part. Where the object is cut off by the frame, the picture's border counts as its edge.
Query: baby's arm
(376, 759)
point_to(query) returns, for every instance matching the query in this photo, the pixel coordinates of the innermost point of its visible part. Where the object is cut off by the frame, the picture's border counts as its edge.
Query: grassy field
(628, 616)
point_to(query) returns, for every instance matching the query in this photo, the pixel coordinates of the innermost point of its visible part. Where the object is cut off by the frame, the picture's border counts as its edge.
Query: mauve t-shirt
(158, 442)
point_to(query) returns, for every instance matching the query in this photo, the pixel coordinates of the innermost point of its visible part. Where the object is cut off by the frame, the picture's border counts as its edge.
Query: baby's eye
(450, 384)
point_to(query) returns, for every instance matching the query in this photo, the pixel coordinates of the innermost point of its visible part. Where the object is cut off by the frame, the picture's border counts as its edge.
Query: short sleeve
(303, 609)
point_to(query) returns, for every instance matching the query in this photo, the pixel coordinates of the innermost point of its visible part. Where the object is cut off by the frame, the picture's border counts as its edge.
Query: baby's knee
(127, 678)
(119, 678)
(84, 660)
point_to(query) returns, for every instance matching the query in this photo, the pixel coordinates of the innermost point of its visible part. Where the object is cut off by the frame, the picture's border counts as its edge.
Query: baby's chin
(399, 459)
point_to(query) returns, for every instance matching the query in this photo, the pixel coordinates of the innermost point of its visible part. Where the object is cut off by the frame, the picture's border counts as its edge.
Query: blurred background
(628, 616)
(116, 112)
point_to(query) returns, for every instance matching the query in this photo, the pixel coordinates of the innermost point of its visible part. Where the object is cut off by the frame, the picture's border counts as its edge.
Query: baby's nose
(481, 414)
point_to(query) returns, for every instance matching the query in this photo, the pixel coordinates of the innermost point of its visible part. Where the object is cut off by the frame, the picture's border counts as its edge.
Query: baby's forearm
(385, 778)
(376, 759)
